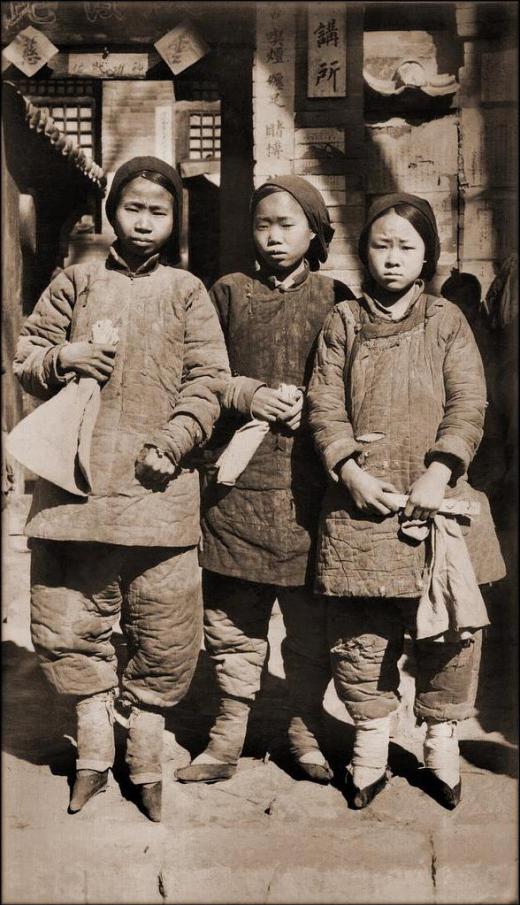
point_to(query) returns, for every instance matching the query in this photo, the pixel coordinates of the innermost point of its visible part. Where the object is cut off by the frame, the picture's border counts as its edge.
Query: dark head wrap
(426, 227)
(314, 208)
(157, 171)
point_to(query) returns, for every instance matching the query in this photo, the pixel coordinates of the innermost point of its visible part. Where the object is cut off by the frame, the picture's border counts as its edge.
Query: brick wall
(321, 139)
(137, 119)
(462, 159)
(488, 125)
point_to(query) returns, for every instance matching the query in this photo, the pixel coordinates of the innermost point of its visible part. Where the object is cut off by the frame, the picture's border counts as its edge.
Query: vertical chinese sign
(326, 44)
(274, 90)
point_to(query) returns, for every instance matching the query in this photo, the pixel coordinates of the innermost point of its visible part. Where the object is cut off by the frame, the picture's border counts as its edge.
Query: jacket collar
(116, 262)
(380, 311)
(292, 281)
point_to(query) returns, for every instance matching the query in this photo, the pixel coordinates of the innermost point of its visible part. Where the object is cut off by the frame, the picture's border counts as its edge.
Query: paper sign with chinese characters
(181, 47)
(113, 66)
(30, 50)
(326, 50)
(164, 133)
(274, 89)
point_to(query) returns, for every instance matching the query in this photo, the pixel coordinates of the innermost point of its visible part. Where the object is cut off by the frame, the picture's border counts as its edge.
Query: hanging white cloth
(54, 440)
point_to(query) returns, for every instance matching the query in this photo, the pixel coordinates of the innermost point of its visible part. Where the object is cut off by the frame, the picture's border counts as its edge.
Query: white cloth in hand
(239, 451)
(54, 440)
(451, 605)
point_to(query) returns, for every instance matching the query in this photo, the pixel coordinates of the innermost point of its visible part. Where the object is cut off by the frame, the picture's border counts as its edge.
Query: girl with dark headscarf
(132, 541)
(259, 534)
(396, 405)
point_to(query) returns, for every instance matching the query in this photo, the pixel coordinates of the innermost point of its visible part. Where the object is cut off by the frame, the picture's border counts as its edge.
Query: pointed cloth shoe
(440, 791)
(151, 799)
(360, 798)
(205, 772)
(87, 784)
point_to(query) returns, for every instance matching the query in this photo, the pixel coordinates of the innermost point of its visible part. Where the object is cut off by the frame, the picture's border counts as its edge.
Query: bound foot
(315, 767)
(151, 799)
(205, 768)
(441, 773)
(86, 784)
(362, 789)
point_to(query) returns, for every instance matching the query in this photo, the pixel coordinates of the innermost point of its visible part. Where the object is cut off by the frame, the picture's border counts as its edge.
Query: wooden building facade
(360, 98)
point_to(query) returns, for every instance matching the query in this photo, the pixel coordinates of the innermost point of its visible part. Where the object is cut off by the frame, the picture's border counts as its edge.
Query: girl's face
(281, 232)
(395, 252)
(143, 219)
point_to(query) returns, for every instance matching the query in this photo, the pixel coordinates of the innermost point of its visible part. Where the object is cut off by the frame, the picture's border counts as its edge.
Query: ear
(313, 235)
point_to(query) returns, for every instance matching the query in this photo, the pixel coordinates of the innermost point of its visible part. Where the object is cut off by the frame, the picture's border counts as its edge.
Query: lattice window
(72, 105)
(204, 136)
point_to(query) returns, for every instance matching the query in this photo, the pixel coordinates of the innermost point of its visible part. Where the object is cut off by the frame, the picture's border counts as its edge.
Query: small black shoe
(440, 791)
(205, 772)
(320, 773)
(151, 799)
(86, 784)
(360, 798)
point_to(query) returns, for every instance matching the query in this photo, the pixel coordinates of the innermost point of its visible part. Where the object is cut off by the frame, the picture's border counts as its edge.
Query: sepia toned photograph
(259, 452)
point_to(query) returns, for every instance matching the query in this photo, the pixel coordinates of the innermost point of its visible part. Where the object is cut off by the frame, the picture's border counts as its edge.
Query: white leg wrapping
(205, 758)
(370, 754)
(441, 752)
(313, 757)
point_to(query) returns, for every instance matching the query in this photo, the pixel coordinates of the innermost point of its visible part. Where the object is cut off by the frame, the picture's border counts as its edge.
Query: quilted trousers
(236, 625)
(367, 637)
(79, 591)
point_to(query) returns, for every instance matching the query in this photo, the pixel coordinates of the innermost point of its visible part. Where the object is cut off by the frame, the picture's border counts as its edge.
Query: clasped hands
(277, 405)
(370, 494)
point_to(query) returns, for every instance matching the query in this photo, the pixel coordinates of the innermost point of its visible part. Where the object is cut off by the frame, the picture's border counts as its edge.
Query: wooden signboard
(90, 22)
(326, 50)
(111, 66)
(164, 136)
(274, 89)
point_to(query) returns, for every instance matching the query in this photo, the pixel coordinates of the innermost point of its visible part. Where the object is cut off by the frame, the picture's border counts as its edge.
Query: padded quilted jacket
(395, 394)
(263, 529)
(170, 366)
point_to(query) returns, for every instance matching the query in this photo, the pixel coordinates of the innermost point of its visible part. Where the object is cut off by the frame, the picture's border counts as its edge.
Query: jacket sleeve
(204, 375)
(238, 391)
(461, 428)
(42, 336)
(326, 402)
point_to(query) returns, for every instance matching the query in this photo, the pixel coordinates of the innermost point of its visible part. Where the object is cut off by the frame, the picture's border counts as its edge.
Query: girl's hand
(87, 359)
(367, 491)
(427, 492)
(293, 418)
(153, 468)
(268, 405)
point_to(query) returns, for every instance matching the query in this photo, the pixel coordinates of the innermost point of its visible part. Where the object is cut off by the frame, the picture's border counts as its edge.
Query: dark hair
(158, 171)
(419, 223)
(313, 252)
(312, 203)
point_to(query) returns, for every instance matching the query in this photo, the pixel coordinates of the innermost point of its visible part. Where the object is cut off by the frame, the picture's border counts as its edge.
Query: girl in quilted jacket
(396, 405)
(259, 534)
(129, 548)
